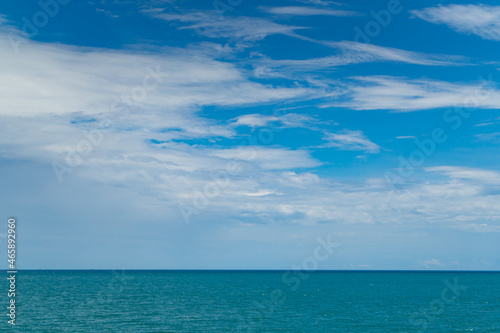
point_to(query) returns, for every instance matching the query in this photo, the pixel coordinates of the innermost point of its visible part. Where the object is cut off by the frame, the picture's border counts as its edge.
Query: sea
(252, 301)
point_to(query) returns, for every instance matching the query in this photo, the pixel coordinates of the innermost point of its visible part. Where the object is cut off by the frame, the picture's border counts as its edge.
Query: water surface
(255, 301)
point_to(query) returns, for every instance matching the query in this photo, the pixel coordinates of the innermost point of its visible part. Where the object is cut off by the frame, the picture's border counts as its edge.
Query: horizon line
(249, 270)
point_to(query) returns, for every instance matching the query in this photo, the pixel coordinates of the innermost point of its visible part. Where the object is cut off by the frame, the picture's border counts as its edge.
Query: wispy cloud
(288, 120)
(307, 11)
(481, 20)
(352, 53)
(351, 140)
(404, 95)
(270, 158)
(430, 263)
(255, 120)
(483, 124)
(57, 93)
(454, 203)
(209, 24)
(488, 122)
(484, 176)
(301, 180)
(321, 2)
(62, 80)
(381, 53)
(491, 137)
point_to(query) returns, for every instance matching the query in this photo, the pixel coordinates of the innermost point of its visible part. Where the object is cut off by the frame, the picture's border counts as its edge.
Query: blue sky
(232, 134)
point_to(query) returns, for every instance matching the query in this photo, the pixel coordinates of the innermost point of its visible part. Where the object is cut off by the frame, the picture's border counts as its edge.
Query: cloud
(255, 120)
(352, 53)
(210, 25)
(351, 140)
(481, 20)
(430, 263)
(254, 28)
(404, 95)
(457, 204)
(483, 124)
(288, 120)
(67, 97)
(302, 180)
(59, 94)
(259, 193)
(320, 2)
(269, 158)
(306, 11)
(63, 79)
(177, 142)
(483, 176)
(494, 137)
(406, 137)
(380, 53)
(488, 122)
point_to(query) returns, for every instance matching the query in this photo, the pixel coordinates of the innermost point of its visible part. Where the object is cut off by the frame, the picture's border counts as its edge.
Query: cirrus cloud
(481, 20)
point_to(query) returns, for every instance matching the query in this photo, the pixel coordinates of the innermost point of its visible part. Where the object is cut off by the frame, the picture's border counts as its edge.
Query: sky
(241, 134)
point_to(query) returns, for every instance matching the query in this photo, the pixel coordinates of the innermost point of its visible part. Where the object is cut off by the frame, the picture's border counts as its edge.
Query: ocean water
(254, 301)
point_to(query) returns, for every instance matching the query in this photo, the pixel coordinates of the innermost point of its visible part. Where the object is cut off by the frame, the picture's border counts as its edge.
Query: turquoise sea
(254, 301)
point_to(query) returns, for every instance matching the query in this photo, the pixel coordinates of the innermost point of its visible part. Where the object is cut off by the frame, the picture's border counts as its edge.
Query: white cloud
(210, 25)
(61, 80)
(488, 136)
(430, 263)
(269, 158)
(255, 120)
(288, 120)
(406, 137)
(352, 53)
(483, 124)
(320, 2)
(402, 94)
(484, 176)
(56, 93)
(481, 20)
(302, 180)
(452, 204)
(306, 11)
(351, 140)
(381, 53)
(51, 93)
(259, 193)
